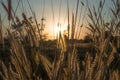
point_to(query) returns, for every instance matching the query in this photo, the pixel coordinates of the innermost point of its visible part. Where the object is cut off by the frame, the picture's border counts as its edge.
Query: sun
(59, 29)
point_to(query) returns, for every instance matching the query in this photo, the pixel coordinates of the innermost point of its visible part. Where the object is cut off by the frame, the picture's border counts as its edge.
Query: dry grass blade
(73, 27)
(9, 9)
(114, 13)
(5, 71)
(90, 61)
(46, 65)
(1, 34)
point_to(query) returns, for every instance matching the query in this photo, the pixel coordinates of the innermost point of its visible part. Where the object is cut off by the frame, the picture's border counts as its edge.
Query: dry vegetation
(27, 62)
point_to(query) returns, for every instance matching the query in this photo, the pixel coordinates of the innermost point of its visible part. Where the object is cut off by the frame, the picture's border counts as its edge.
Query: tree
(87, 39)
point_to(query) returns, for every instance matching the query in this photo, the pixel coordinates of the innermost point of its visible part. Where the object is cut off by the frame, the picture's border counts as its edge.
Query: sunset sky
(37, 6)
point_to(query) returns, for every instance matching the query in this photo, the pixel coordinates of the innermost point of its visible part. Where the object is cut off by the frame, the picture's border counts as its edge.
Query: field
(26, 54)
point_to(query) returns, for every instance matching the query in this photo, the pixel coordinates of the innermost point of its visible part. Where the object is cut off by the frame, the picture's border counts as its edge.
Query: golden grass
(27, 62)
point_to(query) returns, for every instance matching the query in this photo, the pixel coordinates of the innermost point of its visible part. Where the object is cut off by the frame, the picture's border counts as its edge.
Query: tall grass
(27, 62)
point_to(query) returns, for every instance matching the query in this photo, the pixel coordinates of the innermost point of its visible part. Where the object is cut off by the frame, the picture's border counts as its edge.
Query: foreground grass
(28, 62)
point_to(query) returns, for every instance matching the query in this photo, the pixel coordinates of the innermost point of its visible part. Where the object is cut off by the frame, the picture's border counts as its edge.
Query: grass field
(27, 55)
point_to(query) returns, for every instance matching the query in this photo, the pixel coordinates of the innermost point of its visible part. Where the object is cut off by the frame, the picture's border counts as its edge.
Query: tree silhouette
(87, 39)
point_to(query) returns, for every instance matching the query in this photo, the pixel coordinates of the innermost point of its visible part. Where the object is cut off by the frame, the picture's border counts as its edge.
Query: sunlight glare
(58, 29)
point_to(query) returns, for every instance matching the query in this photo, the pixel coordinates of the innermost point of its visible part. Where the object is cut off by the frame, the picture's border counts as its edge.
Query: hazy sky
(37, 6)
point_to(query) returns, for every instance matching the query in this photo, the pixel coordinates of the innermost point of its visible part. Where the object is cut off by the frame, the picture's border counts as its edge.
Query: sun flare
(59, 29)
